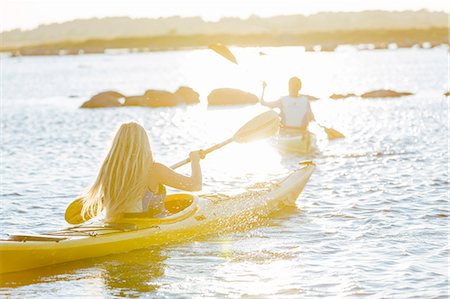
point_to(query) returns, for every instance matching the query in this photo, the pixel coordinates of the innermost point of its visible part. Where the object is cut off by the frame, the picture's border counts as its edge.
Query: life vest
(295, 111)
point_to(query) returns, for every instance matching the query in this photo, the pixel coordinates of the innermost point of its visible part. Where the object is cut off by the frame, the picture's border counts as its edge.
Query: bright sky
(27, 14)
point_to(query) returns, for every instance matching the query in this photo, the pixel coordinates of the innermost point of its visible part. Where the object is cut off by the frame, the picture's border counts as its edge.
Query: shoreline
(312, 42)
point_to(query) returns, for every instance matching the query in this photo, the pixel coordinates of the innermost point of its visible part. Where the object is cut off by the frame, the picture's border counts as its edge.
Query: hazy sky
(27, 14)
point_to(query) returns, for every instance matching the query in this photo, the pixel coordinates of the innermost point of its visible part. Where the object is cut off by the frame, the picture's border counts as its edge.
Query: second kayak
(190, 216)
(294, 141)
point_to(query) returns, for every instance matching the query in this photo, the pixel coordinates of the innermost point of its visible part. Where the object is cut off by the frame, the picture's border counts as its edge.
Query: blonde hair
(123, 176)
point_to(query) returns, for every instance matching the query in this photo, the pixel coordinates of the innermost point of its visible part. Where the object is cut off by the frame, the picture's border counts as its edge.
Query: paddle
(223, 51)
(262, 126)
(331, 133)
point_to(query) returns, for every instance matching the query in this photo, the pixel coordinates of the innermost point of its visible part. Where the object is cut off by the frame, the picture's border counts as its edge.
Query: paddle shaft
(205, 152)
(261, 126)
(263, 90)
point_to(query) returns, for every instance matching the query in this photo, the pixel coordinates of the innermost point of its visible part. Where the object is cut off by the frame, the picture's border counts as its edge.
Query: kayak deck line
(89, 231)
(115, 226)
(194, 216)
(25, 238)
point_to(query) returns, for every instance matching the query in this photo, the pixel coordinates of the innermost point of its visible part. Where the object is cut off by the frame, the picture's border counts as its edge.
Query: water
(372, 222)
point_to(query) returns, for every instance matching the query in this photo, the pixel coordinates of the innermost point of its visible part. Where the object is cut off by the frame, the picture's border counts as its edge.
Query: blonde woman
(129, 181)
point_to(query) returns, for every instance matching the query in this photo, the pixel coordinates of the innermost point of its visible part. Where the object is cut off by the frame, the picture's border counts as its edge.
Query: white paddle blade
(262, 126)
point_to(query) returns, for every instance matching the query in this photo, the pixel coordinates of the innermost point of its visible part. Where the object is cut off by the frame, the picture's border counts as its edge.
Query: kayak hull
(205, 214)
(295, 142)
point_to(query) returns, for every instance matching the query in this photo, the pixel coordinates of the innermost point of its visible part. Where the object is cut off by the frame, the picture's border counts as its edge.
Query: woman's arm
(168, 177)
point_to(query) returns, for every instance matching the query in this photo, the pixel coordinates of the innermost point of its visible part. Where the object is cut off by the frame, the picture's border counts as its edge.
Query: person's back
(295, 109)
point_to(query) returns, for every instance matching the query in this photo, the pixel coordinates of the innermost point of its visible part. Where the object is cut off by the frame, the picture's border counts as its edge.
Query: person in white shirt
(295, 110)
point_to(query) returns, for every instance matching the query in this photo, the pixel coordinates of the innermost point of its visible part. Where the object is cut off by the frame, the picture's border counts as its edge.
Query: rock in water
(342, 96)
(161, 98)
(187, 95)
(104, 100)
(384, 93)
(137, 101)
(231, 96)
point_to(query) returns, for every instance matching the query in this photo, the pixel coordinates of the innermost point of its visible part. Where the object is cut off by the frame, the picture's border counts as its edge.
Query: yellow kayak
(190, 216)
(294, 141)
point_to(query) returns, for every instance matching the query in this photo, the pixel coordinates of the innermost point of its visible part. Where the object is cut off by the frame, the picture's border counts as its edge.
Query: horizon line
(221, 18)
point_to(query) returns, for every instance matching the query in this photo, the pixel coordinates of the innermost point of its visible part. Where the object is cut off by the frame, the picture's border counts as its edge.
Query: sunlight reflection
(268, 277)
(320, 71)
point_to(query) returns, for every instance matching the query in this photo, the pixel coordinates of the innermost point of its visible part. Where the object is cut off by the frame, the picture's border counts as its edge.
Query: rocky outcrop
(151, 98)
(231, 96)
(342, 96)
(381, 93)
(137, 101)
(187, 95)
(161, 98)
(384, 93)
(104, 100)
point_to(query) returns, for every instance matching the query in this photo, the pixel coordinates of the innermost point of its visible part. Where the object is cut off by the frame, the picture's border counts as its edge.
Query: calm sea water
(372, 222)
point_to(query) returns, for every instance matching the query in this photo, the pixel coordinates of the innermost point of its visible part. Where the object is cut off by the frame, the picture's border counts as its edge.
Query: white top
(152, 203)
(295, 111)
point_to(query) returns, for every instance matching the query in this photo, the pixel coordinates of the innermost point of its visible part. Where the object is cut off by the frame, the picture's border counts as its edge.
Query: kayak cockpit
(178, 207)
(175, 203)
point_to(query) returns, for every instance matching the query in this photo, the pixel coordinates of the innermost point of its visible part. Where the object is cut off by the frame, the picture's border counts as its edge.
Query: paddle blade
(223, 51)
(262, 126)
(73, 212)
(333, 134)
